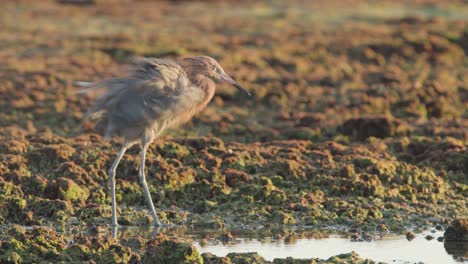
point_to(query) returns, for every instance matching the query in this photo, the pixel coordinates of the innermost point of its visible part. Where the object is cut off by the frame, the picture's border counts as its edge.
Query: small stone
(204, 242)
(250, 257)
(429, 237)
(383, 228)
(226, 237)
(410, 236)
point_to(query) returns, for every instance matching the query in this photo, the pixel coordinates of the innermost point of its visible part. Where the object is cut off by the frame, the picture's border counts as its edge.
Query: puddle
(389, 248)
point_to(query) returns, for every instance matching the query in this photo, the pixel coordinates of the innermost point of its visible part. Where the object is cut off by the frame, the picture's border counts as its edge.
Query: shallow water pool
(390, 248)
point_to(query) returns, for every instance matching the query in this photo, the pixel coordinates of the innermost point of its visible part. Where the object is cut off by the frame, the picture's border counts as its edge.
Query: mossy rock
(162, 249)
(67, 190)
(281, 217)
(116, 253)
(173, 150)
(246, 258)
(8, 189)
(348, 258)
(209, 258)
(291, 260)
(51, 155)
(11, 257)
(209, 222)
(234, 178)
(50, 209)
(35, 185)
(373, 126)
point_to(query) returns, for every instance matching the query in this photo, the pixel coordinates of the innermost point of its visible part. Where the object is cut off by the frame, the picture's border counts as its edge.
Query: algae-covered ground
(359, 120)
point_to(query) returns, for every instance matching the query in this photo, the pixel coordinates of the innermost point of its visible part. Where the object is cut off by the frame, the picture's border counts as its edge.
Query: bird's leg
(141, 174)
(112, 170)
(115, 231)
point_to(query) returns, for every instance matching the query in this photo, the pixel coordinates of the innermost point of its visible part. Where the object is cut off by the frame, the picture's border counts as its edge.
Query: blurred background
(320, 69)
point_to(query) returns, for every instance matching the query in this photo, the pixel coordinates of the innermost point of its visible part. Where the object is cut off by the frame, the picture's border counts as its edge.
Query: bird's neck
(206, 85)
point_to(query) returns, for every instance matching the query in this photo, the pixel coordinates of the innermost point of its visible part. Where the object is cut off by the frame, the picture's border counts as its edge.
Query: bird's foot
(114, 223)
(157, 223)
(115, 231)
(161, 225)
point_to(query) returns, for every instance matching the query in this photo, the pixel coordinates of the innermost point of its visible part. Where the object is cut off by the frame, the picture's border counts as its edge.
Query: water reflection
(307, 243)
(459, 250)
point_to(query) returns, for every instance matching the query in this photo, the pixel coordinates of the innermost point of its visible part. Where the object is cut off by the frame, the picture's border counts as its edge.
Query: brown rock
(410, 236)
(457, 231)
(226, 237)
(67, 190)
(162, 249)
(310, 119)
(234, 177)
(372, 126)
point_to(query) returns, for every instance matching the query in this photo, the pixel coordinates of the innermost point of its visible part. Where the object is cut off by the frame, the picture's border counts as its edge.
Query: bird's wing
(158, 69)
(157, 90)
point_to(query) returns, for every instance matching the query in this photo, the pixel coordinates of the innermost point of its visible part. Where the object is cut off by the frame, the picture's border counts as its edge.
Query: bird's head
(209, 67)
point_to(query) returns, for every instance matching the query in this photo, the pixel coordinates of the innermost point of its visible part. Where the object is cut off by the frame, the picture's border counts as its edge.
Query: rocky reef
(359, 121)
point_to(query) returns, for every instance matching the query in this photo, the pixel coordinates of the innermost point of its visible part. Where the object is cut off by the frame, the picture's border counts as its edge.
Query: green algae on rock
(41, 244)
(254, 258)
(161, 249)
(67, 190)
(46, 245)
(266, 189)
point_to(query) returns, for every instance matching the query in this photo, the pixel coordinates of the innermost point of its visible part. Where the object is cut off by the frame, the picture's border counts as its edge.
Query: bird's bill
(228, 79)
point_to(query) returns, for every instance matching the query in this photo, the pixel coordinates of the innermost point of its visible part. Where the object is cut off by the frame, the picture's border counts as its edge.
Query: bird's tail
(105, 91)
(101, 87)
(87, 87)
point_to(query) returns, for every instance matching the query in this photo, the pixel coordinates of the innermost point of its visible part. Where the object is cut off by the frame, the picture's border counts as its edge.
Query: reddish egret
(158, 94)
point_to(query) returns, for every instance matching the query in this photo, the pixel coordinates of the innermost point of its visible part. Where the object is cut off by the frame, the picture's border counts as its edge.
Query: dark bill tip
(242, 89)
(231, 81)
